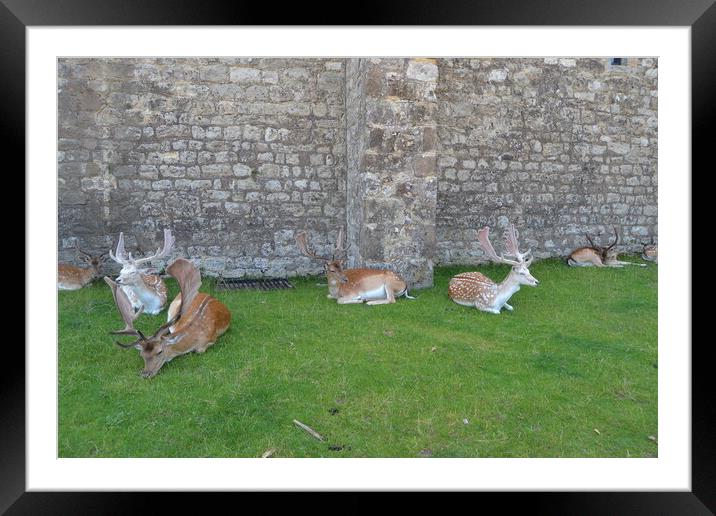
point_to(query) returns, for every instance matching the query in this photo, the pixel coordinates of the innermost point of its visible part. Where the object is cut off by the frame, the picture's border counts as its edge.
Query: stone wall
(356, 142)
(391, 168)
(235, 155)
(412, 156)
(558, 146)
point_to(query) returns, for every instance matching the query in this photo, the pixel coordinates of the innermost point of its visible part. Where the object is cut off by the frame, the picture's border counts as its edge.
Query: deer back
(71, 277)
(470, 287)
(155, 283)
(587, 255)
(204, 321)
(366, 280)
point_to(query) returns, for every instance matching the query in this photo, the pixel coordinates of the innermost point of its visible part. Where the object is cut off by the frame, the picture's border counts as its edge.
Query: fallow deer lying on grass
(70, 277)
(372, 286)
(144, 289)
(195, 320)
(598, 256)
(476, 289)
(650, 251)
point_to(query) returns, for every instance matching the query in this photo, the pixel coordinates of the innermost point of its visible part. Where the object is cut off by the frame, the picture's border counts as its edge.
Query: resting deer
(144, 289)
(476, 289)
(195, 320)
(70, 277)
(650, 251)
(598, 256)
(372, 286)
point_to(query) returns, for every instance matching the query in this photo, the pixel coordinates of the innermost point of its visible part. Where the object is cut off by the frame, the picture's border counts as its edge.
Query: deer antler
(513, 244)
(591, 242)
(161, 252)
(302, 242)
(340, 249)
(80, 251)
(119, 255)
(483, 237)
(124, 306)
(164, 328)
(616, 239)
(189, 279)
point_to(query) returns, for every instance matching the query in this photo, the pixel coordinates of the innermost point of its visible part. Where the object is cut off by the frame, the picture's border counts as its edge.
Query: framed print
(218, 163)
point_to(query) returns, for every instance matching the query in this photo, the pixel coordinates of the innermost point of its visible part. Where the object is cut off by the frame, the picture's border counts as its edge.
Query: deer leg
(509, 307)
(389, 294)
(489, 309)
(349, 300)
(203, 348)
(631, 263)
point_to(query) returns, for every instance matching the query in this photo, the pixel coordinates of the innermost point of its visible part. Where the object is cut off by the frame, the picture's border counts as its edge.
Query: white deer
(476, 289)
(145, 290)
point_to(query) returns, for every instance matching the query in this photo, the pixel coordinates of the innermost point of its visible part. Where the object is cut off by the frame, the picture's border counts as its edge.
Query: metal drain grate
(252, 284)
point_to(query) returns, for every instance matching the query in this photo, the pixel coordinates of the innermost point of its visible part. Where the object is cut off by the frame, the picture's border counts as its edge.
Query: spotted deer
(71, 277)
(372, 286)
(476, 289)
(598, 256)
(194, 322)
(650, 251)
(144, 289)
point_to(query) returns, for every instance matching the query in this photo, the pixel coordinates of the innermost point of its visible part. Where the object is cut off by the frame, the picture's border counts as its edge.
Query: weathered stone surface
(391, 174)
(549, 144)
(199, 145)
(412, 156)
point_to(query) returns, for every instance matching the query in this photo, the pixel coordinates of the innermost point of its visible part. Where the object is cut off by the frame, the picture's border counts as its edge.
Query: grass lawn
(572, 372)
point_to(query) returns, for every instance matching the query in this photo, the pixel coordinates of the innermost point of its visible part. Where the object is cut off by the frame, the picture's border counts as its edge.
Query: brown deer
(144, 289)
(71, 277)
(598, 256)
(195, 320)
(476, 289)
(372, 286)
(650, 251)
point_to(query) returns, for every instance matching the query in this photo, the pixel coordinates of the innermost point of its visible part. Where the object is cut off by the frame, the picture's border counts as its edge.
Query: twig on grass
(308, 429)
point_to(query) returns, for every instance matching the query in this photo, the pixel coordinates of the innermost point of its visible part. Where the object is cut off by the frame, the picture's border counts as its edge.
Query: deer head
(153, 349)
(605, 252)
(334, 264)
(133, 268)
(93, 260)
(520, 265)
(649, 250)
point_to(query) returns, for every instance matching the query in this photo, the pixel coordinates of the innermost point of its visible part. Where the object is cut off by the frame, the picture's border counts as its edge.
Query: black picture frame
(699, 15)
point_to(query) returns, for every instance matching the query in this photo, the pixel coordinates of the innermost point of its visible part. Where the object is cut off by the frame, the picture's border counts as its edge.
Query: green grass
(570, 373)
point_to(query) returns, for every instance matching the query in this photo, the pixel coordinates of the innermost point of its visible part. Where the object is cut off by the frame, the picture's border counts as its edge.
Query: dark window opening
(617, 61)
